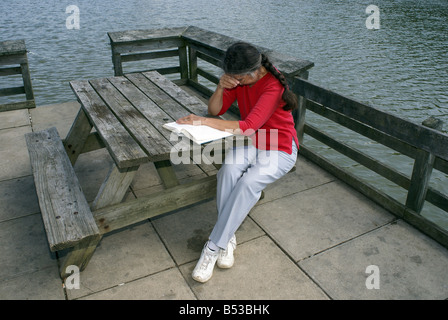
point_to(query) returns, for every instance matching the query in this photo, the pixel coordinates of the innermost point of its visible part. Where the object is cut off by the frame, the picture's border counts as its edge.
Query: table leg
(114, 186)
(79, 255)
(77, 136)
(111, 192)
(166, 173)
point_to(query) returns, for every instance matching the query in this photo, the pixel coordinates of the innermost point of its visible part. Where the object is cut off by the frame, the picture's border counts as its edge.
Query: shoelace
(206, 262)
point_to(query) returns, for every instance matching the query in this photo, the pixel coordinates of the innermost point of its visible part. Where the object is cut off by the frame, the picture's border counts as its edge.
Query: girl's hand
(192, 119)
(228, 82)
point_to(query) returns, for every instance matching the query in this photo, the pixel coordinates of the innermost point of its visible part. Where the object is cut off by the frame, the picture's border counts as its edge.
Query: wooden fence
(427, 146)
(14, 61)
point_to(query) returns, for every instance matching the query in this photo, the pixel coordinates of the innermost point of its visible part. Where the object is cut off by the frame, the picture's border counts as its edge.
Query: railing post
(193, 64)
(116, 61)
(299, 113)
(183, 62)
(421, 172)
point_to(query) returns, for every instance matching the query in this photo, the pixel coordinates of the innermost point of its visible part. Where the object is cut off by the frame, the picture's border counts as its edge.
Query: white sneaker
(204, 268)
(226, 259)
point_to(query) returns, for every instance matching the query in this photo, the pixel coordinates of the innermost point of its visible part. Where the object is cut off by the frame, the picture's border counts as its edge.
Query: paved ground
(311, 237)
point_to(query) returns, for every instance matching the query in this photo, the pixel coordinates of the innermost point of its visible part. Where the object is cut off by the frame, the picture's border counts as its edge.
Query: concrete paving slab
(306, 176)
(59, 115)
(14, 158)
(410, 266)
(14, 119)
(24, 247)
(44, 284)
(147, 176)
(18, 198)
(261, 271)
(186, 231)
(316, 219)
(165, 285)
(123, 256)
(91, 168)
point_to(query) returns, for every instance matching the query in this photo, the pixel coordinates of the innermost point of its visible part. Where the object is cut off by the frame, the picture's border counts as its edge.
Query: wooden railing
(196, 49)
(423, 143)
(14, 61)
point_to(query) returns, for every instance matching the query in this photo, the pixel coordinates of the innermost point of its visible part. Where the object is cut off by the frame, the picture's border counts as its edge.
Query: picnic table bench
(127, 113)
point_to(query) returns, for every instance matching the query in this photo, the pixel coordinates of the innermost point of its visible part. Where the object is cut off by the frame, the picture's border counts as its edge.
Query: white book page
(199, 134)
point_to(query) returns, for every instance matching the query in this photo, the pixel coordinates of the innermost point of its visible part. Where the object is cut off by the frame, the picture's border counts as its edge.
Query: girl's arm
(224, 125)
(215, 101)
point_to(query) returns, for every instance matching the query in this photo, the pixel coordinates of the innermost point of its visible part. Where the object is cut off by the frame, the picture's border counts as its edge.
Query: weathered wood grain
(141, 129)
(65, 211)
(13, 53)
(122, 147)
(124, 214)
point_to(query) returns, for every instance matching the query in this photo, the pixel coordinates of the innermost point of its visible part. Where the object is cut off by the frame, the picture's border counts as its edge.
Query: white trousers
(246, 171)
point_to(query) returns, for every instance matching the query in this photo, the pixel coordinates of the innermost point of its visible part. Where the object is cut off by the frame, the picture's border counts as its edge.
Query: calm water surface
(401, 68)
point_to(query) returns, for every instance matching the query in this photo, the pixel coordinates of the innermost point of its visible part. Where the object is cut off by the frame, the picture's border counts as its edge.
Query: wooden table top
(128, 113)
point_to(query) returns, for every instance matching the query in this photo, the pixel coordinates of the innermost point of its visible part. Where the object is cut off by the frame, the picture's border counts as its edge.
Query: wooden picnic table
(127, 113)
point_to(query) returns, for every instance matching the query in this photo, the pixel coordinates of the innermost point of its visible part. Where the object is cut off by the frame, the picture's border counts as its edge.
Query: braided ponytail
(288, 96)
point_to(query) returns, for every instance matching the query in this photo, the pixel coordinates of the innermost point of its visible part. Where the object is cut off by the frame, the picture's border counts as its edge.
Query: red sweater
(261, 109)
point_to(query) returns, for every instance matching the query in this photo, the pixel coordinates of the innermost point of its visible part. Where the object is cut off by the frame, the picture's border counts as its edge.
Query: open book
(198, 134)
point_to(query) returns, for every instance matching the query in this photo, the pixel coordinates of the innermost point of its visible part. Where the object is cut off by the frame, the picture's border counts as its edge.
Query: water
(402, 67)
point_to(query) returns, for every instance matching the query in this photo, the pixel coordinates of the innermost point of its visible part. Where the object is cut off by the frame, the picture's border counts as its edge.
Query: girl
(265, 105)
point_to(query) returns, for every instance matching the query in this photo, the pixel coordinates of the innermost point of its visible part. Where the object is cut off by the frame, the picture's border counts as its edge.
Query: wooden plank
(133, 211)
(131, 89)
(114, 187)
(10, 71)
(65, 211)
(166, 173)
(172, 108)
(147, 136)
(189, 102)
(18, 105)
(149, 55)
(27, 81)
(215, 45)
(10, 47)
(129, 36)
(359, 157)
(417, 135)
(363, 129)
(79, 256)
(207, 75)
(12, 91)
(183, 62)
(421, 173)
(209, 59)
(441, 165)
(147, 45)
(193, 63)
(77, 136)
(122, 147)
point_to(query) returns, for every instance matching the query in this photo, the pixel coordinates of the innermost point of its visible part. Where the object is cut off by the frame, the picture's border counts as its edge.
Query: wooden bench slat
(123, 148)
(65, 212)
(150, 139)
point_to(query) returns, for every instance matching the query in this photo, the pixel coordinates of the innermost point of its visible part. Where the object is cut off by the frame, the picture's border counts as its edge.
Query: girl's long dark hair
(243, 58)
